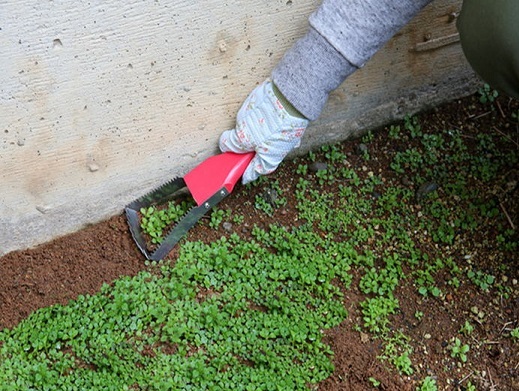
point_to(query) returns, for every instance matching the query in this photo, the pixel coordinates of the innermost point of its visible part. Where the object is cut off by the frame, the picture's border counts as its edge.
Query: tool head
(208, 184)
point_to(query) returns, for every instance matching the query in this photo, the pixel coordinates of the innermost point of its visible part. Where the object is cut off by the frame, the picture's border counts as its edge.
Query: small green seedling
(487, 94)
(467, 328)
(394, 132)
(515, 334)
(459, 350)
(482, 280)
(428, 384)
(374, 382)
(218, 216)
(403, 363)
(470, 387)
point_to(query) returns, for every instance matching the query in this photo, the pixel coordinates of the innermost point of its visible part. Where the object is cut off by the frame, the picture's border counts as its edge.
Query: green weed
(483, 280)
(459, 350)
(155, 329)
(376, 313)
(428, 384)
(155, 220)
(374, 382)
(218, 216)
(467, 328)
(487, 94)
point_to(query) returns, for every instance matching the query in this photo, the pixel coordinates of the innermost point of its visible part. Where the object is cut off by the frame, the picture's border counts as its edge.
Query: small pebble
(318, 166)
(425, 189)
(270, 196)
(227, 226)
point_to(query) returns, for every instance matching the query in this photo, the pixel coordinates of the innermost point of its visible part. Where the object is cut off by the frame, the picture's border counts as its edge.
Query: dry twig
(480, 116)
(506, 136)
(500, 109)
(466, 377)
(512, 225)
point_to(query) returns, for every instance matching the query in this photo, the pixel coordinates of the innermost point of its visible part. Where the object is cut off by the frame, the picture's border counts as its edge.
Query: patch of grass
(270, 199)
(376, 313)
(483, 280)
(397, 351)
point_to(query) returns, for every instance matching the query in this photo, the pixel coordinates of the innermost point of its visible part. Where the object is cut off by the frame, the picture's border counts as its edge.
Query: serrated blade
(161, 194)
(185, 224)
(208, 183)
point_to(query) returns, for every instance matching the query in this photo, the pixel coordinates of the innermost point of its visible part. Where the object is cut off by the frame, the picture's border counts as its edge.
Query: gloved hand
(263, 125)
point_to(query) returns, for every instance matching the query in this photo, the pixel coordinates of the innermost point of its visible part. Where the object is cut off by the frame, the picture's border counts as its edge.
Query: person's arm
(342, 36)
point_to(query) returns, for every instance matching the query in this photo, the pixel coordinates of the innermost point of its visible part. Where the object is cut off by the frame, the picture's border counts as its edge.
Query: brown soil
(80, 263)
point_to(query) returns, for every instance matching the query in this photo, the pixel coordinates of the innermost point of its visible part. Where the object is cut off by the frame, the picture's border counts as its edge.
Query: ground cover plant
(387, 262)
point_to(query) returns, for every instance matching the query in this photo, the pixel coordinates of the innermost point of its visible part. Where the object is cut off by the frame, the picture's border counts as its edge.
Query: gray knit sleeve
(343, 35)
(358, 28)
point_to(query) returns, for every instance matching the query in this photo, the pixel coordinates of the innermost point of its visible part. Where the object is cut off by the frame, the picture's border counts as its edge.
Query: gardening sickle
(208, 183)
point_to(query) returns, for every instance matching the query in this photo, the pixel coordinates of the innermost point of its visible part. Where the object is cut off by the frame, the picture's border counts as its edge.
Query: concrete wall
(101, 101)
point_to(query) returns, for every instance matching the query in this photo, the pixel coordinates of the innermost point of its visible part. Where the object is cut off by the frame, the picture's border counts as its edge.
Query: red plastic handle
(216, 172)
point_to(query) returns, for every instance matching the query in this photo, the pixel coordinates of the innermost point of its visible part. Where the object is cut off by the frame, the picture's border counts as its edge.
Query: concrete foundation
(102, 101)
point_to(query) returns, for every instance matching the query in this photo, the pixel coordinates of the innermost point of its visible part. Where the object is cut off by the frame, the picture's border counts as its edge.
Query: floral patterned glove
(263, 125)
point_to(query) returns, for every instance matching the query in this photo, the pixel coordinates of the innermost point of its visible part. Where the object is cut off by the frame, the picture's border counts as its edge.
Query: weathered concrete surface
(101, 101)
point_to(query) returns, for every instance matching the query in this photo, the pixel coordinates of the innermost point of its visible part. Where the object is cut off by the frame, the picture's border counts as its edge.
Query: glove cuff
(286, 104)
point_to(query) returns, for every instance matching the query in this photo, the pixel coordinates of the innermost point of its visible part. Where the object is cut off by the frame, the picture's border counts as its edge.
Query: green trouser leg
(489, 31)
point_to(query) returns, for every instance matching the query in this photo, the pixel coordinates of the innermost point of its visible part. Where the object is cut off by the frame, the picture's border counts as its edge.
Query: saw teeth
(182, 226)
(159, 194)
(216, 174)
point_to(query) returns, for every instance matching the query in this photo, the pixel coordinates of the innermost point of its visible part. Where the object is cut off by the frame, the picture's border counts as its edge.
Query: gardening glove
(264, 125)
